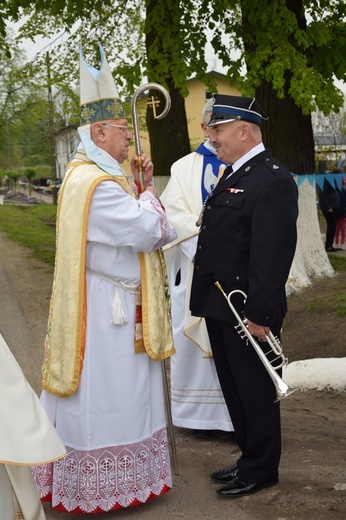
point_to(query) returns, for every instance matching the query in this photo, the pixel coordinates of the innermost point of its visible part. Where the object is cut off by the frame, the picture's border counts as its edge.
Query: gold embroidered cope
(65, 339)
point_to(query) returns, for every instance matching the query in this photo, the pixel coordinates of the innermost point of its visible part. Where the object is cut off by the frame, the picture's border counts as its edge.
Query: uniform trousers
(331, 219)
(249, 393)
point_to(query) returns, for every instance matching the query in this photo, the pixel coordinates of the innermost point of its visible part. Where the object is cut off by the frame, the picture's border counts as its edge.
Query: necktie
(227, 173)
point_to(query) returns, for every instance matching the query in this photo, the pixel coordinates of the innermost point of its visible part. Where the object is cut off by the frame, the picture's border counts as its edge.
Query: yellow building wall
(194, 104)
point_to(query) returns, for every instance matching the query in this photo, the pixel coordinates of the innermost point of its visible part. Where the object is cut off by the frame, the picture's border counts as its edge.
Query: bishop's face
(117, 138)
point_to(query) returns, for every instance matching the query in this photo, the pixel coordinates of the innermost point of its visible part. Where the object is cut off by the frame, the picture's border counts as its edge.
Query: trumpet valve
(240, 330)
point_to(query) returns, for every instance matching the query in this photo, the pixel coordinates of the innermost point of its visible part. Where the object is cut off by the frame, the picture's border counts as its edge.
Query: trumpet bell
(281, 393)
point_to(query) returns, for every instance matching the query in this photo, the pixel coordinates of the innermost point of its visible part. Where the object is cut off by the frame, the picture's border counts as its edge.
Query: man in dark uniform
(247, 242)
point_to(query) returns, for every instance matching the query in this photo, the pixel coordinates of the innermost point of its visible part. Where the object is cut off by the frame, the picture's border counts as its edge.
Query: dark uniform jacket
(247, 241)
(329, 197)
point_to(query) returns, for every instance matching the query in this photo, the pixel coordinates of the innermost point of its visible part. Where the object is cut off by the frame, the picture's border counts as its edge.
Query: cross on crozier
(153, 102)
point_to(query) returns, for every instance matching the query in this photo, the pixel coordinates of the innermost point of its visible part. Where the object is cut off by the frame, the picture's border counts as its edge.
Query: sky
(40, 44)
(44, 44)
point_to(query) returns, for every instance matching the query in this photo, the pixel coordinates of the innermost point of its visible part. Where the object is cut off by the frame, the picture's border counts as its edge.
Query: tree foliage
(24, 112)
(313, 53)
(289, 52)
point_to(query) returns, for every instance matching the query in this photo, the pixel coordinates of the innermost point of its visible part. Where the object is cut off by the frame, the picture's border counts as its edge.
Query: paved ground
(312, 472)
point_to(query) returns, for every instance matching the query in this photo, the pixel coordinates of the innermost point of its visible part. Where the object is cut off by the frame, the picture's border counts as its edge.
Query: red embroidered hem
(98, 510)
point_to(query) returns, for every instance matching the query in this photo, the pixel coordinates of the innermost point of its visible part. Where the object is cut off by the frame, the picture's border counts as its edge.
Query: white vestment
(114, 424)
(197, 399)
(27, 437)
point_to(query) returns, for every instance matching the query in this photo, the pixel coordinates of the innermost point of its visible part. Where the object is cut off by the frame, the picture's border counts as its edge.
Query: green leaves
(256, 40)
(279, 44)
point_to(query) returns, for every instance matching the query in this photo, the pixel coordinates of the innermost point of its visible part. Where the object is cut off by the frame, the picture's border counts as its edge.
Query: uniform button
(199, 248)
(196, 267)
(204, 227)
(267, 318)
(237, 277)
(208, 207)
(227, 201)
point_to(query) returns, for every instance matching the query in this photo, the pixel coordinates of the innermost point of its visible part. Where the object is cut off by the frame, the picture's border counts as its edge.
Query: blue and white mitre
(99, 98)
(99, 101)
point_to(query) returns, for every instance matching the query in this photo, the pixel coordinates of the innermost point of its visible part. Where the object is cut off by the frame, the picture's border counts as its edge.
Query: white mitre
(99, 98)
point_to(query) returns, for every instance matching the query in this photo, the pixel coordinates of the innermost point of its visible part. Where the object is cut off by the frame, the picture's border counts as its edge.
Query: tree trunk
(169, 137)
(288, 132)
(310, 259)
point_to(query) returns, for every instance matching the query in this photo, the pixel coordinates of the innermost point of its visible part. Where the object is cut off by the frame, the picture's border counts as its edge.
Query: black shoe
(225, 474)
(203, 434)
(332, 249)
(239, 488)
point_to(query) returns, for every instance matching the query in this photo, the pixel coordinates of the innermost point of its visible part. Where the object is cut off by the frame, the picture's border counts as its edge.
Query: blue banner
(334, 179)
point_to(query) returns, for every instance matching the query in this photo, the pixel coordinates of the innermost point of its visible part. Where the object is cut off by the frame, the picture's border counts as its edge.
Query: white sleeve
(182, 197)
(118, 219)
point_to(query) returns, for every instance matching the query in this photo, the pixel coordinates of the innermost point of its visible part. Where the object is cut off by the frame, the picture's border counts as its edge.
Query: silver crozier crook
(143, 88)
(138, 148)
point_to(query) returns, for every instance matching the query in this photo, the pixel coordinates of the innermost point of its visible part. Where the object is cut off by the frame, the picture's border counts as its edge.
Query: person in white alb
(109, 326)
(27, 438)
(197, 399)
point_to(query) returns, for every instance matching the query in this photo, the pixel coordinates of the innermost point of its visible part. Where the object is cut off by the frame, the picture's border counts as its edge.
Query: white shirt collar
(254, 151)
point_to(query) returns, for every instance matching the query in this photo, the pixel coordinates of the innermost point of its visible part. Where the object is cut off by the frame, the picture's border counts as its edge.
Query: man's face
(117, 138)
(226, 139)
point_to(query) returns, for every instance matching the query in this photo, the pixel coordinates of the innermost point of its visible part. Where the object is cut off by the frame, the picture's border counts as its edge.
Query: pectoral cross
(153, 102)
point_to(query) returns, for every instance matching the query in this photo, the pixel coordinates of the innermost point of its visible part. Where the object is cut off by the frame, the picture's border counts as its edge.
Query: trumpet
(282, 389)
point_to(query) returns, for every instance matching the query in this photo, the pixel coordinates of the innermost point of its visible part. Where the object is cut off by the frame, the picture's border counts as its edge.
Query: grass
(336, 299)
(338, 263)
(336, 302)
(31, 226)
